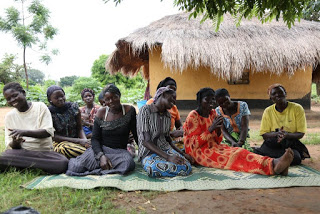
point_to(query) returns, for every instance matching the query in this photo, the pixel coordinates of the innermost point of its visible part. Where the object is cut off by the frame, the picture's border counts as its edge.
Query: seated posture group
(94, 140)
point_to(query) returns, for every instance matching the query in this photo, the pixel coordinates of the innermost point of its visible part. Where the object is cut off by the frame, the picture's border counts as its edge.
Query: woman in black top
(111, 129)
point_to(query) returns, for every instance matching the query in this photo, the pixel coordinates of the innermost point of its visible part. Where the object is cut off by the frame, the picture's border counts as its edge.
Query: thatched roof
(260, 47)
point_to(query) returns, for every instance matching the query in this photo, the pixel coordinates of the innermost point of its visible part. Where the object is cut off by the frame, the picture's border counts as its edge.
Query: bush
(39, 92)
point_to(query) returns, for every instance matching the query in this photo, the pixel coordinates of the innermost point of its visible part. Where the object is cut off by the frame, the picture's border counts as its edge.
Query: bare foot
(281, 165)
(285, 172)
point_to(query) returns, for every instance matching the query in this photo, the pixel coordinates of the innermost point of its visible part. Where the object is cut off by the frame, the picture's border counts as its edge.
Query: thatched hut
(245, 59)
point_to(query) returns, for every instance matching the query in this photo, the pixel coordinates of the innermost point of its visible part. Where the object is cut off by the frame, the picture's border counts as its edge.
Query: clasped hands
(281, 134)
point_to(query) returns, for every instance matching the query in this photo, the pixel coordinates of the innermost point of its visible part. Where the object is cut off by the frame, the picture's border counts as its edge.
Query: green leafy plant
(29, 27)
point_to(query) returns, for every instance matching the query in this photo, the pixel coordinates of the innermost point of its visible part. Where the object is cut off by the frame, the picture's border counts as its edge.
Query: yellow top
(292, 119)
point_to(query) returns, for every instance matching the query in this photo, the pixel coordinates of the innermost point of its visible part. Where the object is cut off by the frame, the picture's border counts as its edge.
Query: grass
(308, 139)
(311, 139)
(55, 200)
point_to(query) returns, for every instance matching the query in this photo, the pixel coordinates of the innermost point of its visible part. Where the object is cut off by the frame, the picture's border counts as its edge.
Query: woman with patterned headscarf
(158, 155)
(203, 135)
(176, 130)
(69, 138)
(89, 111)
(283, 124)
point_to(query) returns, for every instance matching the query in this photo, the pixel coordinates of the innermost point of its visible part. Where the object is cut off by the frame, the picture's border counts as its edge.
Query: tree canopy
(29, 27)
(9, 70)
(36, 76)
(264, 10)
(67, 80)
(312, 11)
(99, 72)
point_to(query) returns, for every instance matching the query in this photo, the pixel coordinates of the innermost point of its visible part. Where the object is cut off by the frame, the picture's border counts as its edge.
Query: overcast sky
(87, 29)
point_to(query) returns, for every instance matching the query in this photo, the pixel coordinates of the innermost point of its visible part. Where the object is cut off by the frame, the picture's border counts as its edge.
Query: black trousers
(273, 149)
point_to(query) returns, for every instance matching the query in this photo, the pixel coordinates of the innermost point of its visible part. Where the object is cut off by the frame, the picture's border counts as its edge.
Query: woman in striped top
(159, 156)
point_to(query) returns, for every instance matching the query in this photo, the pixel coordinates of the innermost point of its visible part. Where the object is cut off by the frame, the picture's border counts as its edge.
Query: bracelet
(98, 156)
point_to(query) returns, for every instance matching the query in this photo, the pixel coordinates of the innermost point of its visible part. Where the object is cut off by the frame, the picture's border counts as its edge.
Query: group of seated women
(56, 138)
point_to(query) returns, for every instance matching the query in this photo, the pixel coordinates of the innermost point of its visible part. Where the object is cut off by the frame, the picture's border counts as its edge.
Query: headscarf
(52, 89)
(276, 85)
(167, 81)
(52, 108)
(111, 88)
(202, 93)
(160, 91)
(87, 90)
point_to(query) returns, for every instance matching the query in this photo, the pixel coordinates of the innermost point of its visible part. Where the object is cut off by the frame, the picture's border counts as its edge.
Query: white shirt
(36, 117)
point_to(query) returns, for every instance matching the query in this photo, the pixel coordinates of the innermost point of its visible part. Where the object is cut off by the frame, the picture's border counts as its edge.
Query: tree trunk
(25, 67)
(318, 88)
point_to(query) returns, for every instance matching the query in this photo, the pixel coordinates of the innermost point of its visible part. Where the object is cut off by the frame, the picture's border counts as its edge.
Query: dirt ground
(281, 200)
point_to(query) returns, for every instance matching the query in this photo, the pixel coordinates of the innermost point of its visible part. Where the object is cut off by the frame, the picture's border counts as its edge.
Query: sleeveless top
(114, 134)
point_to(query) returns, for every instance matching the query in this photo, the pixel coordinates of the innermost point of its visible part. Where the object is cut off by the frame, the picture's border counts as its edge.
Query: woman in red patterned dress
(202, 133)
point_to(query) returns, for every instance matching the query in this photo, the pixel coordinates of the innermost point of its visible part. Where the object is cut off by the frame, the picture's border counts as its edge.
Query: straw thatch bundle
(259, 47)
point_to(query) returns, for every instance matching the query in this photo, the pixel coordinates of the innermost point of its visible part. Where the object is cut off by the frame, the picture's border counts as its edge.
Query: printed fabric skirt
(157, 166)
(86, 164)
(68, 149)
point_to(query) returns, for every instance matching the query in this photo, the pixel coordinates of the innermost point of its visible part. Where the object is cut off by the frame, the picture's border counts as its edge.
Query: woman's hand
(189, 158)
(105, 163)
(176, 159)
(281, 135)
(176, 133)
(84, 142)
(16, 142)
(16, 133)
(216, 123)
(235, 144)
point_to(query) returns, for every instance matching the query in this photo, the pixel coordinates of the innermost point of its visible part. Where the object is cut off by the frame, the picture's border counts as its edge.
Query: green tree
(312, 11)
(9, 70)
(30, 27)
(99, 72)
(49, 83)
(36, 76)
(67, 80)
(86, 82)
(264, 10)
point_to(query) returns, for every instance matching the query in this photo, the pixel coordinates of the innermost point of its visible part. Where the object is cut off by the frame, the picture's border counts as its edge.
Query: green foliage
(314, 96)
(3, 101)
(67, 80)
(312, 11)
(9, 70)
(48, 83)
(311, 138)
(28, 34)
(86, 82)
(264, 10)
(38, 92)
(36, 76)
(132, 95)
(74, 93)
(99, 72)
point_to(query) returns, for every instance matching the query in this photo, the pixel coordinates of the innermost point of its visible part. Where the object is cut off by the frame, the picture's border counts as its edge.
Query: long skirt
(48, 161)
(157, 166)
(273, 149)
(86, 164)
(68, 149)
